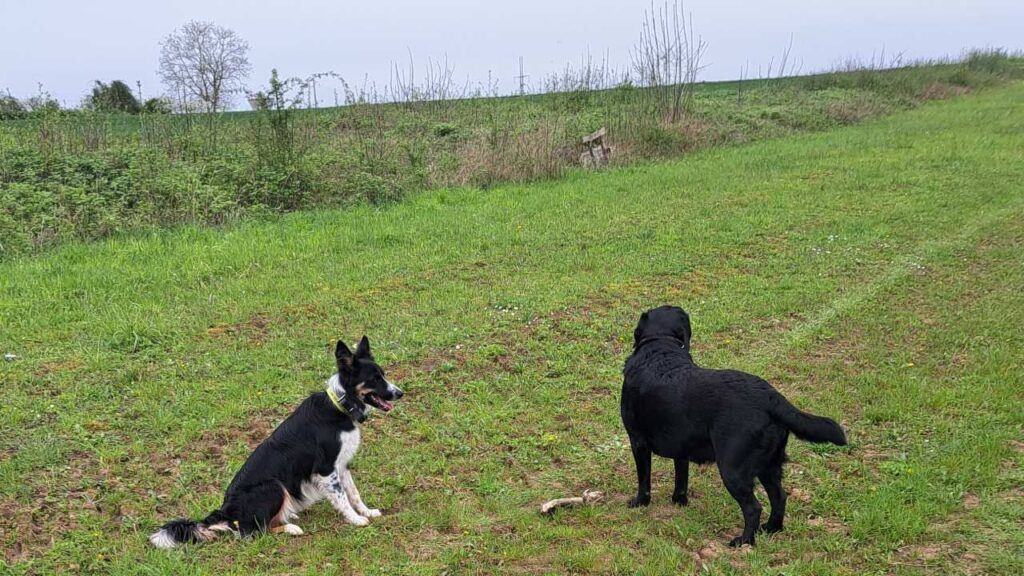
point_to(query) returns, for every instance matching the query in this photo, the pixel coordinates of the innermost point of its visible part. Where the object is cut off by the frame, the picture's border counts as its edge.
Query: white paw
(292, 529)
(374, 513)
(358, 520)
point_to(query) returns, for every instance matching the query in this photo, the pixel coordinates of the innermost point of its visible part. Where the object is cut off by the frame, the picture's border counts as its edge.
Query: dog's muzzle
(394, 392)
(384, 401)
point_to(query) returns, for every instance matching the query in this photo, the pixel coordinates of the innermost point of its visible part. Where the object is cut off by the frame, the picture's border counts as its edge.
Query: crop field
(872, 273)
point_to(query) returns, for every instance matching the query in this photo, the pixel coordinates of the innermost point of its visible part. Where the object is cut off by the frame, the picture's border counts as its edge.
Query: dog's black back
(304, 444)
(673, 408)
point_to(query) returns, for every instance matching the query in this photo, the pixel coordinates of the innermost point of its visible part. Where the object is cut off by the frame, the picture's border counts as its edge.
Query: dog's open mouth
(378, 402)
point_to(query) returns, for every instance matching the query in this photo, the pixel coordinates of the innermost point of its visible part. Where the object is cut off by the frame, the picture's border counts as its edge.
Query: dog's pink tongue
(387, 405)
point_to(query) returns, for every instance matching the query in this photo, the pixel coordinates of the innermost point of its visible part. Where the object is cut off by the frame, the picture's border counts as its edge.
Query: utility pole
(522, 78)
(138, 84)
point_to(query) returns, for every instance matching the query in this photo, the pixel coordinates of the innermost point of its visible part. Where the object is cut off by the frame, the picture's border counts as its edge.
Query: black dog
(303, 461)
(676, 409)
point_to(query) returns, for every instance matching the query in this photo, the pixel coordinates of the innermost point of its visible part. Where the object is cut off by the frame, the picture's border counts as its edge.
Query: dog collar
(343, 404)
(336, 400)
(653, 338)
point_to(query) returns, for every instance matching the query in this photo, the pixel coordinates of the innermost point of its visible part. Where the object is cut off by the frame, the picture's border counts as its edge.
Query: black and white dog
(304, 460)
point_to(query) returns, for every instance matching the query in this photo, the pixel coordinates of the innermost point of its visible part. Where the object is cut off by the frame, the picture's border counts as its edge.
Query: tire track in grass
(903, 267)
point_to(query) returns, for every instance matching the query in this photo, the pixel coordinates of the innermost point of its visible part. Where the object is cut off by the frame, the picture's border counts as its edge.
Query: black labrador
(676, 409)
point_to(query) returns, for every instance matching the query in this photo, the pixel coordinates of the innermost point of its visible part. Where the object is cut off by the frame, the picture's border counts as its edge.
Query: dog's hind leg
(281, 522)
(682, 482)
(353, 495)
(642, 457)
(771, 479)
(254, 509)
(740, 485)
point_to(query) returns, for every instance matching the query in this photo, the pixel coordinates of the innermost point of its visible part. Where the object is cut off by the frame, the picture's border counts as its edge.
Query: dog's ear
(639, 330)
(363, 349)
(687, 332)
(343, 355)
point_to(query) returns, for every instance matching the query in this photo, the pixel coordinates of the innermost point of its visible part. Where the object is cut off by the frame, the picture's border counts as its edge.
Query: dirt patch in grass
(66, 365)
(923, 555)
(717, 548)
(257, 427)
(256, 329)
(799, 494)
(18, 534)
(830, 524)
(29, 527)
(970, 501)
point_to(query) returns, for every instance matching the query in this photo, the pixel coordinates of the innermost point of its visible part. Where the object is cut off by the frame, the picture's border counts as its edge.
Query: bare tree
(668, 55)
(204, 62)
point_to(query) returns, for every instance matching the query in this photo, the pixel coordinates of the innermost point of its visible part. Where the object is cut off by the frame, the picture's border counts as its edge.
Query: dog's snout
(394, 391)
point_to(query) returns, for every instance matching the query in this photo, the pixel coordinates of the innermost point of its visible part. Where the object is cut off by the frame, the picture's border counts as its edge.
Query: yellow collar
(336, 400)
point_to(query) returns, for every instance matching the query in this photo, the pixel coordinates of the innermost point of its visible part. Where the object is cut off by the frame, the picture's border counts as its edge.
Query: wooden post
(594, 143)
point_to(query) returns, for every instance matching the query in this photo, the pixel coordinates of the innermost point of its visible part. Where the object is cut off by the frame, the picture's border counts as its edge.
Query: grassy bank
(73, 176)
(872, 273)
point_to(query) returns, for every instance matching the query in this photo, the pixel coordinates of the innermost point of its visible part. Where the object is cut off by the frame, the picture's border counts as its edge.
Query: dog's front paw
(639, 501)
(372, 513)
(680, 499)
(358, 520)
(769, 528)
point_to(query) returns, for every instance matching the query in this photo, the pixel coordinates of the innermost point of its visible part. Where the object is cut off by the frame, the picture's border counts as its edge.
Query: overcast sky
(67, 44)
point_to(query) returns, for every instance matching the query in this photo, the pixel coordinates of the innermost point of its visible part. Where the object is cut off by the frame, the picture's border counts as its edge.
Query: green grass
(872, 273)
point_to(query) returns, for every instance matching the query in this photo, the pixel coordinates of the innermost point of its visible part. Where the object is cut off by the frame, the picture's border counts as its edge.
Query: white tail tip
(163, 540)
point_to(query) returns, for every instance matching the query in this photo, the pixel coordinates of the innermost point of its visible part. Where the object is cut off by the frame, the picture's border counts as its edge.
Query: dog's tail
(807, 426)
(185, 531)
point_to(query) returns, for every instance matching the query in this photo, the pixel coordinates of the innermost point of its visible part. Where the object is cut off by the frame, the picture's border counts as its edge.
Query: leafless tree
(669, 55)
(204, 62)
(437, 85)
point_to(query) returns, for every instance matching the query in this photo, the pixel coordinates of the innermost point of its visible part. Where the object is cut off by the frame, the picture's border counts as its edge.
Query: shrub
(10, 108)
(445, 129)
(113, 97)
(157, 106)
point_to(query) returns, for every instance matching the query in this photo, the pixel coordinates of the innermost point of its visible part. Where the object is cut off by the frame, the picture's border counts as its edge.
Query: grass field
(872, 273)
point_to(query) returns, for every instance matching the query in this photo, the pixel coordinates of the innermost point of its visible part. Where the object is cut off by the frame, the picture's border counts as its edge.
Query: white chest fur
(349, 445)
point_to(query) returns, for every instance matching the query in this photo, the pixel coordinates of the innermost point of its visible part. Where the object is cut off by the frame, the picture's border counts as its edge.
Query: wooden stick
(589, 497)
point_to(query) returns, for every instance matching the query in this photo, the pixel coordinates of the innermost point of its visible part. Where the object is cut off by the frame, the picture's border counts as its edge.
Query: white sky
(67, 44)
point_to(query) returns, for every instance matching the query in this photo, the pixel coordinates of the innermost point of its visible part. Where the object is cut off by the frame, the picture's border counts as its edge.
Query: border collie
(304, 460)
(673, 408)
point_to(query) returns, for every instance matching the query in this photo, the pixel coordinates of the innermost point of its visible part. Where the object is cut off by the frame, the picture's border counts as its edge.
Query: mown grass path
(874, 274)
